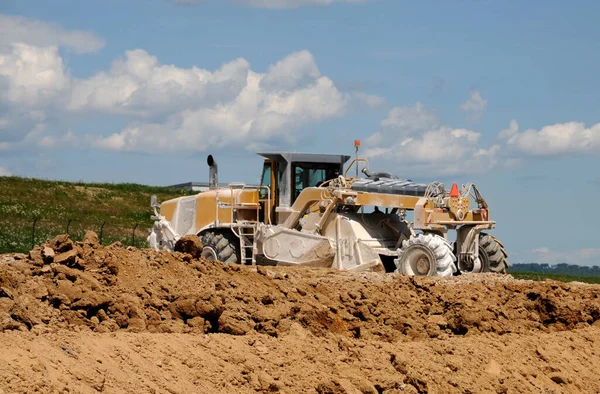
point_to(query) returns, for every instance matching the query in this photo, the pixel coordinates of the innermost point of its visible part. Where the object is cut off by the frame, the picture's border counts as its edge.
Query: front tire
(492, 254)
(220, 246)
(426, 255)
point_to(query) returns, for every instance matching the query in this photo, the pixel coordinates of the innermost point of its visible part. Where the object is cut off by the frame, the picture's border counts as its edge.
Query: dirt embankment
(79, 317)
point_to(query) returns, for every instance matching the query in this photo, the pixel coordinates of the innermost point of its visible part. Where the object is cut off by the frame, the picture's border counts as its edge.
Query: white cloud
(557, 139)
(290, 72)
(168, 108)
(268, 106)
(513, 129)
(34, 83)
(541, 250)
(4, 172)
(474, 106)
(278, 4)
(39, 137)
(17, 29)
(414, 138)
(370, 99)
(32, 75)
(410, 119)
(139, 84)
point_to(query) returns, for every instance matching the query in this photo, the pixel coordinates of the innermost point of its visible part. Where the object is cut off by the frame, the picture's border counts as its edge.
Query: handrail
(356, 160)
(235, 200)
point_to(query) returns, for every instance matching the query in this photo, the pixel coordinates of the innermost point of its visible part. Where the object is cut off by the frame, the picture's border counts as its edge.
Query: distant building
(204, 186)
(194, 186)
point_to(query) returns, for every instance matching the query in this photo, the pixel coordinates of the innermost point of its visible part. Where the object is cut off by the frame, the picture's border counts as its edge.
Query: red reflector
(454, 191)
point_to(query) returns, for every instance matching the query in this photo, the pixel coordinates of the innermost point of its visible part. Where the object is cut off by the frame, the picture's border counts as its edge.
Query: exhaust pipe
(213, 172)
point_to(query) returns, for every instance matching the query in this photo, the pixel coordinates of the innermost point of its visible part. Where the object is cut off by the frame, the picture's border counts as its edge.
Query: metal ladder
(247, 232)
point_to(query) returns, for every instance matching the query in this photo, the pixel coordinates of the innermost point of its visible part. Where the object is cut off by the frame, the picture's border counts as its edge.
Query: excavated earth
(77, 317)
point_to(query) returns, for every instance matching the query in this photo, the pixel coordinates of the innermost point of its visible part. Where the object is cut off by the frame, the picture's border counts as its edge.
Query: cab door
(269, 179)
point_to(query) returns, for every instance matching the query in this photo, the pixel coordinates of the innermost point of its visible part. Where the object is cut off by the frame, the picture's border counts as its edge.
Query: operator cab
(287, 174)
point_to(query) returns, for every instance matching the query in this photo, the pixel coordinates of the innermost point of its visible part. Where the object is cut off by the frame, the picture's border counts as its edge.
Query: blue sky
(504, 94)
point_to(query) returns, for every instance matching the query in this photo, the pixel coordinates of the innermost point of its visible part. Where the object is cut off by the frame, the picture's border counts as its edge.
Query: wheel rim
(472, 264)
(209, 253)
(418, 260)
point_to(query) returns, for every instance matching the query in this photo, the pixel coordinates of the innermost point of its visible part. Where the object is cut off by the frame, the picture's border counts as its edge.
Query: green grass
(86, 205)
(559, 277)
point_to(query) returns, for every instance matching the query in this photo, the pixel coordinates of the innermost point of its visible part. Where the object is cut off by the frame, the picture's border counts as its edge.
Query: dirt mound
(80, 290)
(64, 284)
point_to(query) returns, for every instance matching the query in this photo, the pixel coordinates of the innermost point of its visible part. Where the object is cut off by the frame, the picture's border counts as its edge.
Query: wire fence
(21, 235)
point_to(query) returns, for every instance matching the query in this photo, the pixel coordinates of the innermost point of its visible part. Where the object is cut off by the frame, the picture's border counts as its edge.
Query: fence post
(33, 231)
(133, 235)
(68, 224)
(101, 230)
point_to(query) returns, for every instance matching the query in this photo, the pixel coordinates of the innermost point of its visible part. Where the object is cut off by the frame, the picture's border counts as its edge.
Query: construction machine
(309, 211)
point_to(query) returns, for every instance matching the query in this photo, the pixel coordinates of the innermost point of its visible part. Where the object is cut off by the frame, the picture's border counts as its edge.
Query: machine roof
(306, 157)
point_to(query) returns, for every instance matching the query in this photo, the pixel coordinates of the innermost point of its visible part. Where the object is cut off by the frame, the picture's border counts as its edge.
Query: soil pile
(80, 317)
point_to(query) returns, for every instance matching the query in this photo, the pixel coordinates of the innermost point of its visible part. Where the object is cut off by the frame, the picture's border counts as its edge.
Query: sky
(502, 94)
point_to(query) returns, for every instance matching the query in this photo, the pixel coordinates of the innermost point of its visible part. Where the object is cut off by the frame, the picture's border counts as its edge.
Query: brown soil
(79, 317)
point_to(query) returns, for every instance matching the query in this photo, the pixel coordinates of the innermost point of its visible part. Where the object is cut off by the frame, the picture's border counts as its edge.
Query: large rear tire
(492, 254)
(426, 255)
(219, 246)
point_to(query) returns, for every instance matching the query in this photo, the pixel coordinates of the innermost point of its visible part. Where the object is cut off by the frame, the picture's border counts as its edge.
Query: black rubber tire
(492, 254)
(225, 245)
(438, 251)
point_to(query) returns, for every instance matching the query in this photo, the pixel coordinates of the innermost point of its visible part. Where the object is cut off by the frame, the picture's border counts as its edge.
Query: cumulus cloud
(4, 172)
(17, 29)
(267, 106)
(277, 4)
(414, 138)
(553, 140)
(32, 76)
(33, 84)
(170, 108)
(138, 84)
(474, 106)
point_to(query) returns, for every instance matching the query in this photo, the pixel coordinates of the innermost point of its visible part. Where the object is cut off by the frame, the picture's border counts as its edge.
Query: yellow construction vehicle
(308, 211)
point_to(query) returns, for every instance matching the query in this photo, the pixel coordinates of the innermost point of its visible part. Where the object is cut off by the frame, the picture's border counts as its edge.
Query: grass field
(78, 206)
(559, 277)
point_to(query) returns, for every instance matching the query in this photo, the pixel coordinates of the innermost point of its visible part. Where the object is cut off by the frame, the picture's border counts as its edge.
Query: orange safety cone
(454, 191)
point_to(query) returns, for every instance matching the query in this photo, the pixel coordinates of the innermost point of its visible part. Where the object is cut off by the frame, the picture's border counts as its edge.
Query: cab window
(312, 175)
(265, 180)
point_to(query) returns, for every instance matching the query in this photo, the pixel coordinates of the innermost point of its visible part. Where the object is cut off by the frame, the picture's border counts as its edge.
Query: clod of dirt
(48, 254)
(90, 238)
(60, 243)
(189, 244)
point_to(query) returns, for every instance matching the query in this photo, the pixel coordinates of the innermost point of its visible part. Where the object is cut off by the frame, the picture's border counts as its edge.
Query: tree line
(562, 269)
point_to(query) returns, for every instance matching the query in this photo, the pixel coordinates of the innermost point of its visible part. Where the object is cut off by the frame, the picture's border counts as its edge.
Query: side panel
(219, 205)
(191, 214)
(180, 213)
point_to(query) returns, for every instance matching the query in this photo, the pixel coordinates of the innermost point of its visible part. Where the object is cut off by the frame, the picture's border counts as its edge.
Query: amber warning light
(356, 143)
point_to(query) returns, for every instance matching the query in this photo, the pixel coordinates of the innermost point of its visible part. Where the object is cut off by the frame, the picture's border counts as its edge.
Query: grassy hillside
(85, 205)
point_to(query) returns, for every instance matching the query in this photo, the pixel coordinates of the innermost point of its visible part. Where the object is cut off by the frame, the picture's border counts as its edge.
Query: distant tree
(561, 268)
